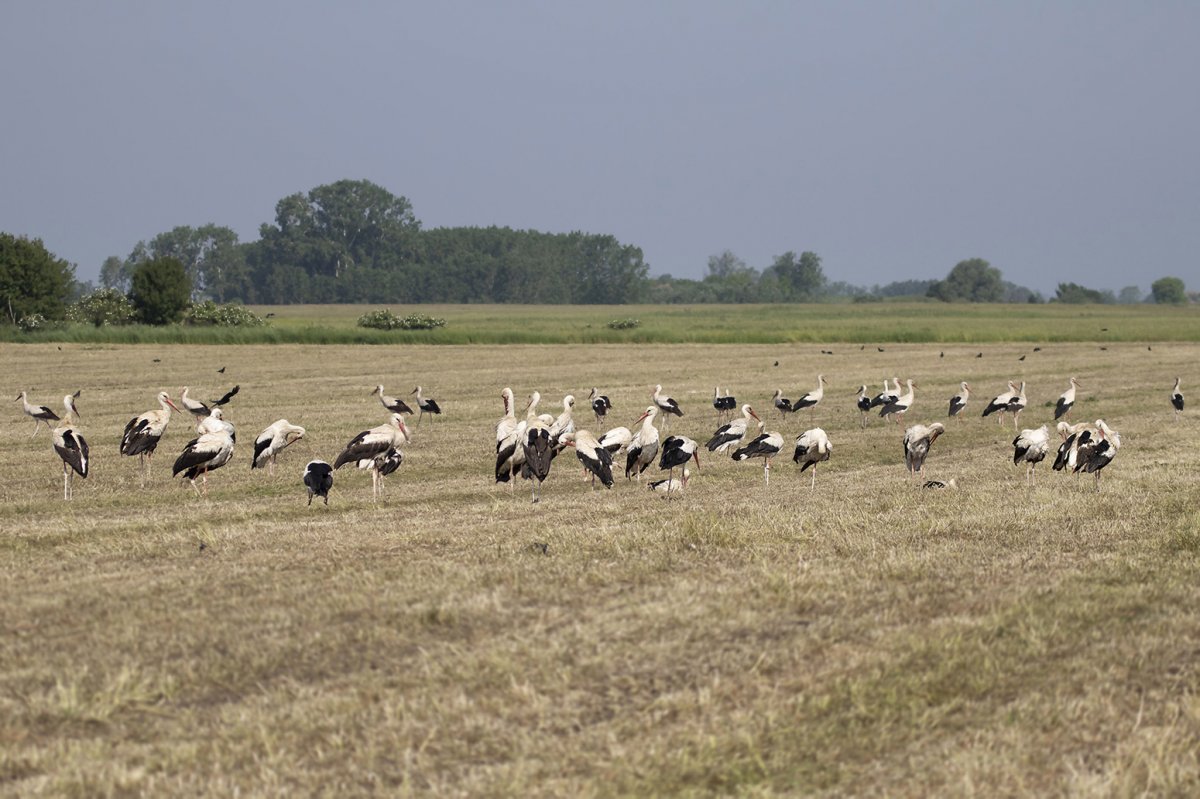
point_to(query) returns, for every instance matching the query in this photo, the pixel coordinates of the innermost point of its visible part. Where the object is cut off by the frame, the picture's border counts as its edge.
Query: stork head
(416, 391)
(747, 411)
(568, 401)
(69, 404)
(649, 414)
(861, 390)
(216, 413)
(567, 438)
(295, 432)
(534, 399)
(164, 399)
(656, 391)
(821, 379)
(935, 430)
(378, 390)
(964, 386)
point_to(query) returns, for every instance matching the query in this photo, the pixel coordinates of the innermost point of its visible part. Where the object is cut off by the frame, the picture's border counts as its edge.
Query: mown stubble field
(866, 638)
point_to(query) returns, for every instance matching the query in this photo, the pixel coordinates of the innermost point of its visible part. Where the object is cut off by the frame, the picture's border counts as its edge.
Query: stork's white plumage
(538, 450)
(781, 403)
(194, 407)
(732, 433)
(999, 403)
(1066, 401)
(644, 447)
(917, 441)
(270, 442)
(667, 405)
(766, 446)
(676, 452)
(812, 398)
(425, 405)
(206, 453)
(888, 394)
(1068, 452)
(1176, 399)
(723, 404)
(216, 422)
(371, 444)
(564, 423)
(1017, 404)
(143, 432)
(508, 422)
(1099, 451)
(601, 405)
(393, 404)
(672, 485)
(39, 413)
(863, 403)
(899, 405)
(617, 438)
(959, 400)
(594, 458)
(71, 447)
(812, 447)
(1030, 447)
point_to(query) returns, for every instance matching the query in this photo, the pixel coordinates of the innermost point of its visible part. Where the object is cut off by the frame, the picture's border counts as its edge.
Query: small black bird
(158, 360)
(221, 371)
(863, 347)
(879, 348)
(1021, 358)
(1104, 330)
(943, 355)
(318, 479)
(541, 547)
(980, 355)
(1104, 349)
(1150, 349)
(228, 396)
(1037, 349)
(777, 363)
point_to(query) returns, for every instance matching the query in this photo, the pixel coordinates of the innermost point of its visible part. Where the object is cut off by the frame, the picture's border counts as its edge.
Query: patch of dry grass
(865, 638)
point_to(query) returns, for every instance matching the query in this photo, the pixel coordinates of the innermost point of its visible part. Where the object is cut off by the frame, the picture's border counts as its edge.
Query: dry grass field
(868, 638)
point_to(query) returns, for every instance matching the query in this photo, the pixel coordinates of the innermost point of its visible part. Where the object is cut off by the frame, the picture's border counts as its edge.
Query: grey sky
(1057, 140)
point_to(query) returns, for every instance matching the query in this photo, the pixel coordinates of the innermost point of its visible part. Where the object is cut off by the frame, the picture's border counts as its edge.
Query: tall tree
(1168, 290)
(114, 274)
(973, 280)
(801, 279)
(160, 291)
(32, 279)
(211, 256)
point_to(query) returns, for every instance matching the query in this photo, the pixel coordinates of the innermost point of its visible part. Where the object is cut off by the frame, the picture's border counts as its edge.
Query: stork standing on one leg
(270, 442)
(812, 447)
(959, 400)
(1030, 447)
(766, 446)
(70, 446)
(39, 413)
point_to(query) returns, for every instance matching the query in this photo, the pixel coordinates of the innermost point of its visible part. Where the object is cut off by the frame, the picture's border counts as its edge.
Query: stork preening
(812, 447)
(644, 447)
(1066, 401)
(215, 422)
(999, 403)
(1176, 399)
(600, 404)
(39, 413)
(143, 432)
(1030, 447)
(615, 439)
(71, 447)
(959, 400)
(206, 453)
(723, 404)
(676, 452)
(1099, 451)
(898, 406)
(781, 403)
(733, 432)
(594, 458)
(766, 446)
(812, 399)
(425, 405)
(318, 479)
(917, 441)
(1068, 452)
(667, 405)
(863, 402)
(370, 445)
(270, 442)
(393, 404)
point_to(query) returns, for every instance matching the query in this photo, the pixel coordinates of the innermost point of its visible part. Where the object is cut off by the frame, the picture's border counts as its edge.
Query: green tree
(214, 261)
(1130, 295)
(800, 279)
(32, 279)
(1168, 290)
(1075, 294)
(973, 280)
(114, 274)
(160, 291)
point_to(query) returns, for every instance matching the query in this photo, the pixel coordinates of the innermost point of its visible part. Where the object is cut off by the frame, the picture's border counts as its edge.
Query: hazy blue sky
(1058, 140)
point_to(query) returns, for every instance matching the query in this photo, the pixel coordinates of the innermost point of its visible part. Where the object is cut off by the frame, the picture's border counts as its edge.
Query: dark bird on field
(318, 479)
(221, 371)
(980, 355)
(879, 348)
(1104, 330)
(230, 394)
(1037, 349)
(157, 360)
(1104, 349)
(1021, 358)
(940, 484)
(942, 354)
(777, 363)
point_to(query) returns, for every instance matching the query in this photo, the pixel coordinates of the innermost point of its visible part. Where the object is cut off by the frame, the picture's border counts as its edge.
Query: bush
(160, 290)
(383, 319)
(31, 322)
(624, 324)
(102, 308)
(208, 313)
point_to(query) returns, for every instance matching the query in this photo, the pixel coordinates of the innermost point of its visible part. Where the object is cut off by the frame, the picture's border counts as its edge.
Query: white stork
(594, 458)
(39, 413)
(812, 398)
(644, 447)
(1017, 404)
(667, 405)
(723, 404)
(1066, 401)
(393, 404)
(383, 464)
(215, 422)
(672, 485)
(194, 407)
(1099, 451)
(766, 446)
(143, 432)
(564, 423)
(615, 439)
(900, 405)
(732, 432)
(999, 403)
(1068, 451)
(538, 451)
(863, 402)
(888, 394)
(70, 446)
(812, 447)
(318, 479)
(270, 442)
(781, 403)
(1030, 447)
(1176, 399)
(370, 445)
(959, 400)
(509, 452)
(917, 441)
(601, 405)
(425, 405)
(203, 454)
(676, 452)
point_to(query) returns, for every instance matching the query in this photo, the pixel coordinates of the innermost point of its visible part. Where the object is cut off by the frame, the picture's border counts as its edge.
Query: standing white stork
(425, 405)
(1176, 399)
(538, 451)
(270, 442)
(644, 447)
(812, 447)
(594, 458)
(1017, 404)
(203, 454)
(723, 404)
(917, 441)
(863, 402)
(194, 407)
(39, 413)
(781, 403)
(732, 432)
(812, 398)
(1031, 446)
(564, 423)
(676, 452)
(1068, 451)
(375, 445)
(959, 400)
(766, 446)
(1098, 452)
(393, 404)
(899, 405)
(999, 403)
(70, 446)
(215, 422)
(667, 405)
(600, 404)
(509, 453)
(1066, 401)
(318, 479)
(888, 394)
(143, 432)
